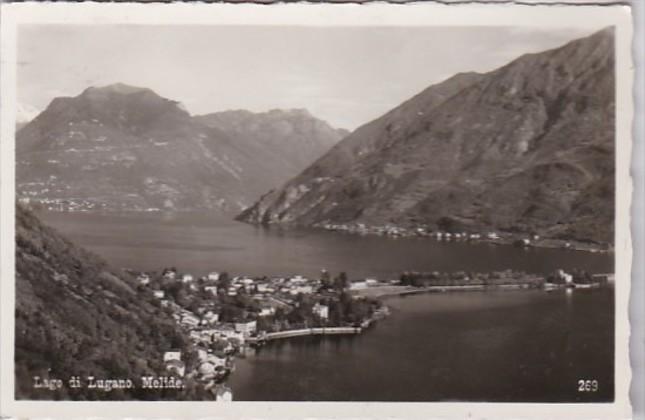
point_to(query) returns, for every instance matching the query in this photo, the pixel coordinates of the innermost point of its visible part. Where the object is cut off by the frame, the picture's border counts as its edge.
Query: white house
(190, 320)
(263, 287)
(211, 317)
(206, 369)
(322, 311)
(172, 355)
(202, 354)
(358, 285)
(211, 289)
(301, 289)
(159, 294)
(246, 327)
(177, 367)
(223, 393)
(247, 281)
(187, 278)
(568, 278)
(230, 333)
(214, 276)
(492, 235)
(144, 279)
(267, 311)
(371, 282)
(297, 280)
(216, 361)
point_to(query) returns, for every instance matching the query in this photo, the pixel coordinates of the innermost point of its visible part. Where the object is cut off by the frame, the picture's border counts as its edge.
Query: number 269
(587, 385)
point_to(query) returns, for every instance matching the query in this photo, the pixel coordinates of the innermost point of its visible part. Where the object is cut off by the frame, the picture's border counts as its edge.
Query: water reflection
(494, 346)
(201, 244)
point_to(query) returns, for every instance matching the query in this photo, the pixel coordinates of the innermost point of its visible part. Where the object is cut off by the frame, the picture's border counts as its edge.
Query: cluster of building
(394, 231)
(270, 292)
(363, 229)
(206, 373)
(216, 342)
(45, 192)
(562, 279)
(214, 345)
(63, 204)
(401, 231)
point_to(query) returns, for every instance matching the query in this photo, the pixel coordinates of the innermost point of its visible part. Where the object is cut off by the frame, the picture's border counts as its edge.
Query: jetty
(304, 332)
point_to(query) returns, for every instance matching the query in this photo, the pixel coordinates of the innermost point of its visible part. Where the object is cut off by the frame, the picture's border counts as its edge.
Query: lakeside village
(227, 317)
(522, 240)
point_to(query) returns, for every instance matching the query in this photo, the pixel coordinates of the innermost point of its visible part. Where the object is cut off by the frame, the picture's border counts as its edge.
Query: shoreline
(304, 332)
(393, 232)
(384, 292)
(520, 240)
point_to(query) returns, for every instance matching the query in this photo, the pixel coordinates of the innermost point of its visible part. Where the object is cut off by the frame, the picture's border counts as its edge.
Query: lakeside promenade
(305, 332)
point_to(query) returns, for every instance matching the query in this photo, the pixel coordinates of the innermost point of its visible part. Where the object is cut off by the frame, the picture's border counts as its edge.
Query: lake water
(200, 244)
(475, 346)
(528, 346)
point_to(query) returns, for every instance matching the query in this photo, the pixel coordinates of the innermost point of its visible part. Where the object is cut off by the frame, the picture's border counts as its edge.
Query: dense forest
(75, 316)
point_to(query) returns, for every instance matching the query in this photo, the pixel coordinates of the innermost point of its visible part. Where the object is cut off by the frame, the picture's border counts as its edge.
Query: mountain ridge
(535, 134)
(136, 150)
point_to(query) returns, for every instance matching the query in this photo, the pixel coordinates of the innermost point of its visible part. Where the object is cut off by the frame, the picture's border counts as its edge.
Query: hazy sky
(346, 76)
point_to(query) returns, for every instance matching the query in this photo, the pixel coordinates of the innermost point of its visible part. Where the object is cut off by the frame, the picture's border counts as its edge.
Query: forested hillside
(77, 316)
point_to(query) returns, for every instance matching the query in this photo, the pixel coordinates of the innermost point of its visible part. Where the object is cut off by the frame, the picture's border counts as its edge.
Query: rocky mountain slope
(126, 148)
(528, 147)
(77, 316)
(290, 139)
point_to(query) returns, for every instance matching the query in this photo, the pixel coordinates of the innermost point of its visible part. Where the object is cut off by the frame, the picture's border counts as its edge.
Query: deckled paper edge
(325, 14)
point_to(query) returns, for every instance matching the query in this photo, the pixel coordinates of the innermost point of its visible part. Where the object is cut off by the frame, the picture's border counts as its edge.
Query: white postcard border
(417, 14)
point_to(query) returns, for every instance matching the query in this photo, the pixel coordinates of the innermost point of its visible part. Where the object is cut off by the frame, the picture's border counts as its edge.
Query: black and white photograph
(354, 212)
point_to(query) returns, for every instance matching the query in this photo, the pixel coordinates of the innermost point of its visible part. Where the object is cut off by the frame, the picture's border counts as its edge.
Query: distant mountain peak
(238, 118)
(296, 112)
(274, 112)
(116, 88)
(124, 147)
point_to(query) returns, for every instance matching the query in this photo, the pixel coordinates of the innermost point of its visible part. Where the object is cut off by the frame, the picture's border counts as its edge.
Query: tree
(447, 224)
(340, 282)
(224, 279)
(336, 313)
(223, 283)
(325, 279)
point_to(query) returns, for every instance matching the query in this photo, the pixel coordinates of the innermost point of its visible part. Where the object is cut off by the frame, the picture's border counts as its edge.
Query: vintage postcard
(315, 210)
